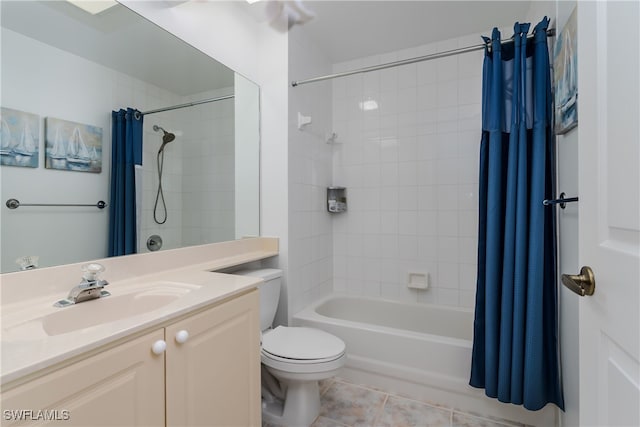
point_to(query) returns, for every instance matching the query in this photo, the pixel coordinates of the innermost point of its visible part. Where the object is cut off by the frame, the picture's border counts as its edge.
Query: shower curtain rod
(550, 33)
(139, 114)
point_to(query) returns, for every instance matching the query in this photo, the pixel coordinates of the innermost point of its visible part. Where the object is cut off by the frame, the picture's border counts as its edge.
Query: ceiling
(121, 40)
(343, 30)
(346, 30)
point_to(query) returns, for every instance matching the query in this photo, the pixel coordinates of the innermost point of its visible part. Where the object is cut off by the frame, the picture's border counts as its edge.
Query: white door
(609, 211)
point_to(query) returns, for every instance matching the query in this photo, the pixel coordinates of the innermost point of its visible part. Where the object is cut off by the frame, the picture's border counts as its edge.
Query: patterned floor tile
(351, 405)
(399, 412)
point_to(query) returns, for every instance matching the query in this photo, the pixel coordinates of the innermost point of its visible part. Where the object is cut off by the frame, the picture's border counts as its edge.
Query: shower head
(167, 137)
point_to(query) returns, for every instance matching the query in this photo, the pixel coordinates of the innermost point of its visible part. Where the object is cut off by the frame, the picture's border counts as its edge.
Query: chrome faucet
(89, 288)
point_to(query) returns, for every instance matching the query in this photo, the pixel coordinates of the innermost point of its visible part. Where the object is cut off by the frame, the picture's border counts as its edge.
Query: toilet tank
(269, 292)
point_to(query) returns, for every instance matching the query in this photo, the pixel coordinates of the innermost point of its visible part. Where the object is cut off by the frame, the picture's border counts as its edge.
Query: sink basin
(113, 308)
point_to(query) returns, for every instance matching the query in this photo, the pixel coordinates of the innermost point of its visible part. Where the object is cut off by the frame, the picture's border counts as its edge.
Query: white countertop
(27, 348)
(28, 298)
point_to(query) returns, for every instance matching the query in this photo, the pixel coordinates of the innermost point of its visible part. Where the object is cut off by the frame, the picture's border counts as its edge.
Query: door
(122, 386)
(213, 370)
(609, 159)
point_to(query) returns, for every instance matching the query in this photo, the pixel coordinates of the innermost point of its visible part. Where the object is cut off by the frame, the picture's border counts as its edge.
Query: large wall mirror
(64, 71)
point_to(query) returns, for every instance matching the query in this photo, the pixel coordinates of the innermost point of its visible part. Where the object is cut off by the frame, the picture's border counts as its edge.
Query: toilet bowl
(296, 358)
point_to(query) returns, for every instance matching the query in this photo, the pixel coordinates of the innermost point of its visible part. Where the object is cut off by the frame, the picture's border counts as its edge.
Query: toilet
(294, 359)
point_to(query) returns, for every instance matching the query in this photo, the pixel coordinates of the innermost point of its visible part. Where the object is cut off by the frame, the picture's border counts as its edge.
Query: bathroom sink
(113, 308)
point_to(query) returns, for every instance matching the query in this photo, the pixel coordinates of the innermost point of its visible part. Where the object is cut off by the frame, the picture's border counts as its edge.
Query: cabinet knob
(182, 336)
(159, 347)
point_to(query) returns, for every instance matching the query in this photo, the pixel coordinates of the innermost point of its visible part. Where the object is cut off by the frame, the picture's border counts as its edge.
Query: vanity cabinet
(213, 378)
(209, 375)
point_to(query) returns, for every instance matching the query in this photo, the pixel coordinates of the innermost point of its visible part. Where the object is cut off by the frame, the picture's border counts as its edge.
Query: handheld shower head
(167, 137)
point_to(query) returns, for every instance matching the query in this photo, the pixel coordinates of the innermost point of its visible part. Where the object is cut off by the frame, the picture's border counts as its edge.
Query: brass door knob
(583, 283)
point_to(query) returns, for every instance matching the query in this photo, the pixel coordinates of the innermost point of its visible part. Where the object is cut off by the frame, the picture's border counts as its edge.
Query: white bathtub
(420, 350)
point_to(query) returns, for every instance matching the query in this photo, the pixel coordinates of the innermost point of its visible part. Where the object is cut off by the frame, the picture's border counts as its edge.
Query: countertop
(27, 348)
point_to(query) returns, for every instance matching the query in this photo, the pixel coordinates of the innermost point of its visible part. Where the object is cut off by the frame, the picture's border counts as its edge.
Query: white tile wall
(411, 169)
(198, 172)
(310, 172)
(171, 230)
(211, 142)
(198, 175)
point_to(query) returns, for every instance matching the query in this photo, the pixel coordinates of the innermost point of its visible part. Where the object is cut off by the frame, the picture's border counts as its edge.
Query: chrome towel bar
(15, 204)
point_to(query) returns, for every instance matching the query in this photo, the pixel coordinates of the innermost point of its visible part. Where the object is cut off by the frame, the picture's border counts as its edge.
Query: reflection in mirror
(69, 69)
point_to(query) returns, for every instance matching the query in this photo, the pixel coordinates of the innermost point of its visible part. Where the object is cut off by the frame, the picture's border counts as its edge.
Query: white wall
(74, 89)
(225, 31)
(310, 173)
(38, 92)
(247, 157)
(411, 171)
(567, 162)
(568, 264)
(567, 181)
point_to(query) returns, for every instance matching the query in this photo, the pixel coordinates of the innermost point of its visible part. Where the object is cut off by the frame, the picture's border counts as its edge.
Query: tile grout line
(340, 424)
(329, 384)
(380, 409)
(363, 386)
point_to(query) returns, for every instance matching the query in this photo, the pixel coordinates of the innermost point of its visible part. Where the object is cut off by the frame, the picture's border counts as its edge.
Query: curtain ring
(137, 115)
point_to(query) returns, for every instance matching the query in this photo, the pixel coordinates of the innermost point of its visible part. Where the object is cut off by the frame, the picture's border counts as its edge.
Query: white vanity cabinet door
(123, 386)
(213, 375)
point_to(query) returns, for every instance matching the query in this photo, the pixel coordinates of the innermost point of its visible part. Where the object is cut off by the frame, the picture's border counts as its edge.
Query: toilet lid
(302, 343)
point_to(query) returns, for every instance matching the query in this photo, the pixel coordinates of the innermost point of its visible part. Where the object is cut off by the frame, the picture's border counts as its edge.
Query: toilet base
(300, 407)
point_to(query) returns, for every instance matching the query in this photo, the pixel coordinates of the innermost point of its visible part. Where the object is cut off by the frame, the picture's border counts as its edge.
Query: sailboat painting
(565, 67)
(72, 146)
(19, 138)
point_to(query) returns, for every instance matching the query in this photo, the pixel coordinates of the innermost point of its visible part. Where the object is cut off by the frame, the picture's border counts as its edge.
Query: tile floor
(351, 405)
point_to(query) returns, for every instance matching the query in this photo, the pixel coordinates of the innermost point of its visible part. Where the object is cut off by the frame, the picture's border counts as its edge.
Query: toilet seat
(275, 357)
(300, 345)
(302, 370)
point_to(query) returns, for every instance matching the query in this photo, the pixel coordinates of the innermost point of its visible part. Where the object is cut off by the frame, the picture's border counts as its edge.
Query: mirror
(63, 71)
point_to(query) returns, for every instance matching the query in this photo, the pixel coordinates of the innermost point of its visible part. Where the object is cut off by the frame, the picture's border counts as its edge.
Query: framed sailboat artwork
(72, 146)
(20, 138)
(565, 67)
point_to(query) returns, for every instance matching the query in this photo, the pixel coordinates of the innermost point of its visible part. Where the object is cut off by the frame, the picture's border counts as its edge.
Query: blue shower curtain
(126, 152)
(515, 345)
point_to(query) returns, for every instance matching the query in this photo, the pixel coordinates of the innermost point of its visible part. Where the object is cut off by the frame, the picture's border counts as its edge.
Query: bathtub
(419, 350)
